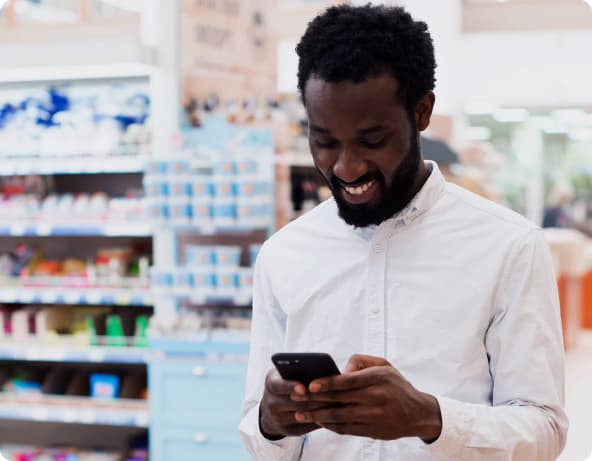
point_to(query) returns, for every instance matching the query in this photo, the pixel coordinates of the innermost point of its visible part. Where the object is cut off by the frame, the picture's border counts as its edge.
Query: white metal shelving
(72, 295)
(70, 351)
(81, 164)
(79, 410)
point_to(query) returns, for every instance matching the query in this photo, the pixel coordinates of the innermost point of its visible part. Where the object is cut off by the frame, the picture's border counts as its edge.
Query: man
(439, 307)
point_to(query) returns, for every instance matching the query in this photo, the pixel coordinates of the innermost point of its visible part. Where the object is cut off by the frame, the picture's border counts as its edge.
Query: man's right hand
(278, 409)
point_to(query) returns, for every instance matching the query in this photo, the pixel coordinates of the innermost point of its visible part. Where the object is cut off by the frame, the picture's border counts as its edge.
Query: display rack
(66, 413)
(74, 410)
(75, 296)
(14, 166)
(41, 229)
(209, 361)
(72, 353)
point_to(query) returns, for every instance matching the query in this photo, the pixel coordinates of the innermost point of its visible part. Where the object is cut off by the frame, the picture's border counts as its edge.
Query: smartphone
(304, 367)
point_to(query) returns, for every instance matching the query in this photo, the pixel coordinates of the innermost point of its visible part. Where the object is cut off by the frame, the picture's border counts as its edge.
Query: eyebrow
(363, 131)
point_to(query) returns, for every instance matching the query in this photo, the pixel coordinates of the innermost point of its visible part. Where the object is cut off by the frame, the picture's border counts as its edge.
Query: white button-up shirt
(456, 292)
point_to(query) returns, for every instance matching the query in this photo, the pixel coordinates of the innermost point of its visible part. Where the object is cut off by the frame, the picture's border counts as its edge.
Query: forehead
(372, 101)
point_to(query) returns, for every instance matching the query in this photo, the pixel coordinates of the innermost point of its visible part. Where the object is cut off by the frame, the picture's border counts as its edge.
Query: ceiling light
(3, 3)
(583, 135)
(510, 115)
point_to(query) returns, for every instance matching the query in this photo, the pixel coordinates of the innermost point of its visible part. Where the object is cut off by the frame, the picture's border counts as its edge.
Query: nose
(349, 166)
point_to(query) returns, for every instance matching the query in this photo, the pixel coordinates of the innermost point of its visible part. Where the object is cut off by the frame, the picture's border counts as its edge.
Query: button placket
(375, 336)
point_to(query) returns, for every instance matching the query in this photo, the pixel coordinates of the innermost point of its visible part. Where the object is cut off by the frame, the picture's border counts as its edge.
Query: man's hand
(372, 399)
(277, 417)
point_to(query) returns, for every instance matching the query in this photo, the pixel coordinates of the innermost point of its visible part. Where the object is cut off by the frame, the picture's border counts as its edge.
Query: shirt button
(375, 308)
(378, 248)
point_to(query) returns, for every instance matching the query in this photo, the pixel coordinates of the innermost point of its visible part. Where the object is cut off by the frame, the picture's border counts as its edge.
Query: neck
(423, 173)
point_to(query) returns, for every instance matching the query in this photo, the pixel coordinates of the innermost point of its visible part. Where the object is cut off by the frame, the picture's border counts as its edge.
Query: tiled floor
(579, 400)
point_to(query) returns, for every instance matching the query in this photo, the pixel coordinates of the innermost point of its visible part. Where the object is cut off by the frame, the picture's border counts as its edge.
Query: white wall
(530, 68)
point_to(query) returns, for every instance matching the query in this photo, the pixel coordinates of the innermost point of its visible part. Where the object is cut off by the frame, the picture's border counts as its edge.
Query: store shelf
(98, 229)
(39, 351)
(234, 301)
(75, 296)
(12, 166)
(212, 229)
(77, 410)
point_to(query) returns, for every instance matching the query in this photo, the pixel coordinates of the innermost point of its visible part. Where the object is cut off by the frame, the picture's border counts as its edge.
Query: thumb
(359, 362)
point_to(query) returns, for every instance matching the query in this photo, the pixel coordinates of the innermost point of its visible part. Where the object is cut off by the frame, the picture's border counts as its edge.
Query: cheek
(324, 159)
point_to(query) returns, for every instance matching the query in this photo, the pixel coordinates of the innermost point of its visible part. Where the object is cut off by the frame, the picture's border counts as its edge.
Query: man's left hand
(372, 399)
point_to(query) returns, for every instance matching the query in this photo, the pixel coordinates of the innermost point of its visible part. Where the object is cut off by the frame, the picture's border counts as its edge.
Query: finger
(332, 397)
(300, 429)
(279, 386)
(351, 381)
(300, 406)
(333, 415)
(359, 362)
(361, 430)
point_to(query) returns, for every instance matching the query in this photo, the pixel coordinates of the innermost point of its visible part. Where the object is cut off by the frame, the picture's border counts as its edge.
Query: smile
(359, 190)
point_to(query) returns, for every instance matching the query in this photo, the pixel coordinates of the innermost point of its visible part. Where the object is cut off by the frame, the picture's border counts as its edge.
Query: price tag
(122, 298)
(87, 416)
(49, 297)
(69, 416)
(142, 420)
(8, 295)
(94, 297)
(72, 297)
(96, 355)
(44, 229)
(40, 414)
(18, 229)
(26, 296)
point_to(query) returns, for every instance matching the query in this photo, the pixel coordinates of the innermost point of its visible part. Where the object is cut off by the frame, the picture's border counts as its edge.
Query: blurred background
(148, 148)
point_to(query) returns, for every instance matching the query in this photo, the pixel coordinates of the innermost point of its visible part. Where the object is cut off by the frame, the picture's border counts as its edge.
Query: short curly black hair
(349, 43)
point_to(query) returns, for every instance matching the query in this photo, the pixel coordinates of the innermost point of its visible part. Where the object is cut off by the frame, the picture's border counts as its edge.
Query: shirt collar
(425, 199)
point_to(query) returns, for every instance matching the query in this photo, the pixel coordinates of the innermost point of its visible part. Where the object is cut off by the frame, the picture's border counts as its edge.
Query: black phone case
(304, 367)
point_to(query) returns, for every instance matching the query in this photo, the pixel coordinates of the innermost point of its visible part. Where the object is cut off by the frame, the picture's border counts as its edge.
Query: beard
(392, 199)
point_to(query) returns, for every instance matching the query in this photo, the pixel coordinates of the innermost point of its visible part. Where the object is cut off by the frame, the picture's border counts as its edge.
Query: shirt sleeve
(268, 326)
(525, 348)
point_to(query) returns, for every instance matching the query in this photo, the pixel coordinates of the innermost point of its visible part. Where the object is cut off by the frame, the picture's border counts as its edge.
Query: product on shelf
(77, 119)
(223, 178)
(27, 453)
(62, 325)
(209, 271)
(28, 382)
(26, 265)
(82, 209)
(104, 386)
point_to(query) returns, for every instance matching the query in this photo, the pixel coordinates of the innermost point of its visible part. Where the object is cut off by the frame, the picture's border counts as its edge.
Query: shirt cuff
(457, 423)
(263, 449)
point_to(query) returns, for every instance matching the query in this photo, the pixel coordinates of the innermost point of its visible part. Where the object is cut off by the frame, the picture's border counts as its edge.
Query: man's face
(364, 145)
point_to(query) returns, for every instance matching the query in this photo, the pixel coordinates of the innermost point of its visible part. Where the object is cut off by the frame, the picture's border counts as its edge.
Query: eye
(373, 143)
(325, 143)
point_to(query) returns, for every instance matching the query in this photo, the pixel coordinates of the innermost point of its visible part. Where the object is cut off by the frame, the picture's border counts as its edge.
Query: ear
(423, 110)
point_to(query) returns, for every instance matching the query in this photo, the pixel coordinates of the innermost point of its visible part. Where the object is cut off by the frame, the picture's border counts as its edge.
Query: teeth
(360, 189)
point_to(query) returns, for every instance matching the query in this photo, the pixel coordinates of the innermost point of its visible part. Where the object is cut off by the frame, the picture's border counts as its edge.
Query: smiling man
(439, 306)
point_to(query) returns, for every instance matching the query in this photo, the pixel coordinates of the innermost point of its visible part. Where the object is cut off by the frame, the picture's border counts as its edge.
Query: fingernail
(316, 387)
(300, 417)
(300, 389)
